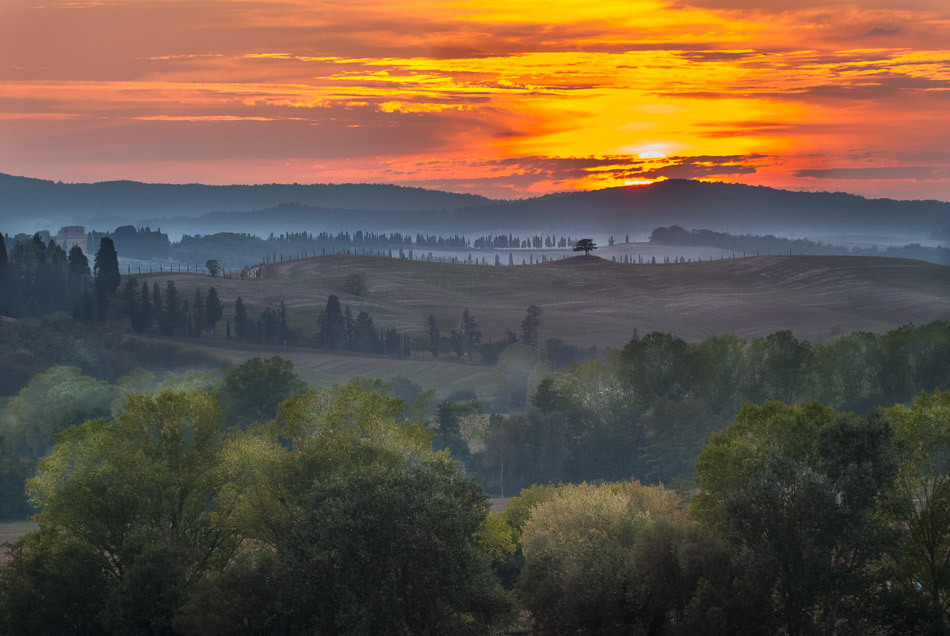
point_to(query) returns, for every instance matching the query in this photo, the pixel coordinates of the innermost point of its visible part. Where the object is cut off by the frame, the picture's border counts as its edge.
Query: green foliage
(53, 401)
(795, 491)
(922, 441)
(449, 436)
(52, 585)
(517, 374)
(610, 559)
(252, 390)
(647, 410)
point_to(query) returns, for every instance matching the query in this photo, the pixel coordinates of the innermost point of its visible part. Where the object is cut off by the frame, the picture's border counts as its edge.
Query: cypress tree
(173, 309)
(78, 263)
(240, 319)
(433, 337)
(332, 333)
(158, 310)
(145, 308)
(107, 275)
(213, 308)
(131, 305)
(198, 312)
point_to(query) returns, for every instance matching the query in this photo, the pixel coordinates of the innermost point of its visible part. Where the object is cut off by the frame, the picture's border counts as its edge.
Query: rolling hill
(585, 301)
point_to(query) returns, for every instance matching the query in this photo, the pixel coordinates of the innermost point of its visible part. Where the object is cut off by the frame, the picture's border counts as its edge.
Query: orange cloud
(509, 97)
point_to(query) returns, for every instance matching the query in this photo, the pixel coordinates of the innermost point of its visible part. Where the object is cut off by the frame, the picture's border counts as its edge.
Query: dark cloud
(884, 30)
(917, 173)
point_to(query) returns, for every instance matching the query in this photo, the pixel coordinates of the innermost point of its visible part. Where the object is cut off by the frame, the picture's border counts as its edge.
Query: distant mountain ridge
(635, 210)
(132, 201)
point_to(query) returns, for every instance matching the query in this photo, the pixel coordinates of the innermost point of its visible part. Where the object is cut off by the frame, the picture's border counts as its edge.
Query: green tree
(608, 559)
(143, 496)
(252, 391)
(795, 490)
(922, 441)
(53, 401)
(376, 535)
(214, 267)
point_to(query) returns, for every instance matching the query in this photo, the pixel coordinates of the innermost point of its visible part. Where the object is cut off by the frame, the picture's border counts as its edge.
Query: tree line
(38, 278)
(752, 244)
(647, 410)
(167, 514)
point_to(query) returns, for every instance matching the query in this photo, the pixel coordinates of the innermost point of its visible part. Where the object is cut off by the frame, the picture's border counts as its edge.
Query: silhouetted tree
(213, 308)
(585, 245)
(241, 325)
(529, 326)
(198, 312)
(467, 337)
(331, 332)
(214, 267)
(158, 308)
(107, 275)
(433, 337)
(173, 309)
(78, 263)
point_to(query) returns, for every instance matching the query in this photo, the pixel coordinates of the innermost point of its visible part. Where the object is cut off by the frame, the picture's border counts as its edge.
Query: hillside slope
(587, 300)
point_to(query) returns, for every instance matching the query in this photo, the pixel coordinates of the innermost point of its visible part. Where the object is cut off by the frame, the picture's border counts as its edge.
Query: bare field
(589, 300)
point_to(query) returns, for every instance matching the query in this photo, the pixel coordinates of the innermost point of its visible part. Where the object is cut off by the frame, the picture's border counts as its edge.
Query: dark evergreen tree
(198, 312)
(332, 332)
(78, 263)
(131, 306)
(284, 331)
(146, 312)
(467, 337)
(173, 310)
(349, 329)
(529, 326)
(241, 325)
(365, 337)
(158, 308)
(433, 337)
(106, 271)
(213, 308)
(391, 345)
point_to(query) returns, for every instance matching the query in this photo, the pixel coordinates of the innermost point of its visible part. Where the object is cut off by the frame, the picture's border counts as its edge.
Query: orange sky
(505, 98)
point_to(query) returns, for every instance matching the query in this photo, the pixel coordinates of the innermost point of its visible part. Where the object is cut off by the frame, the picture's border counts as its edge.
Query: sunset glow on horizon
(505, 99)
